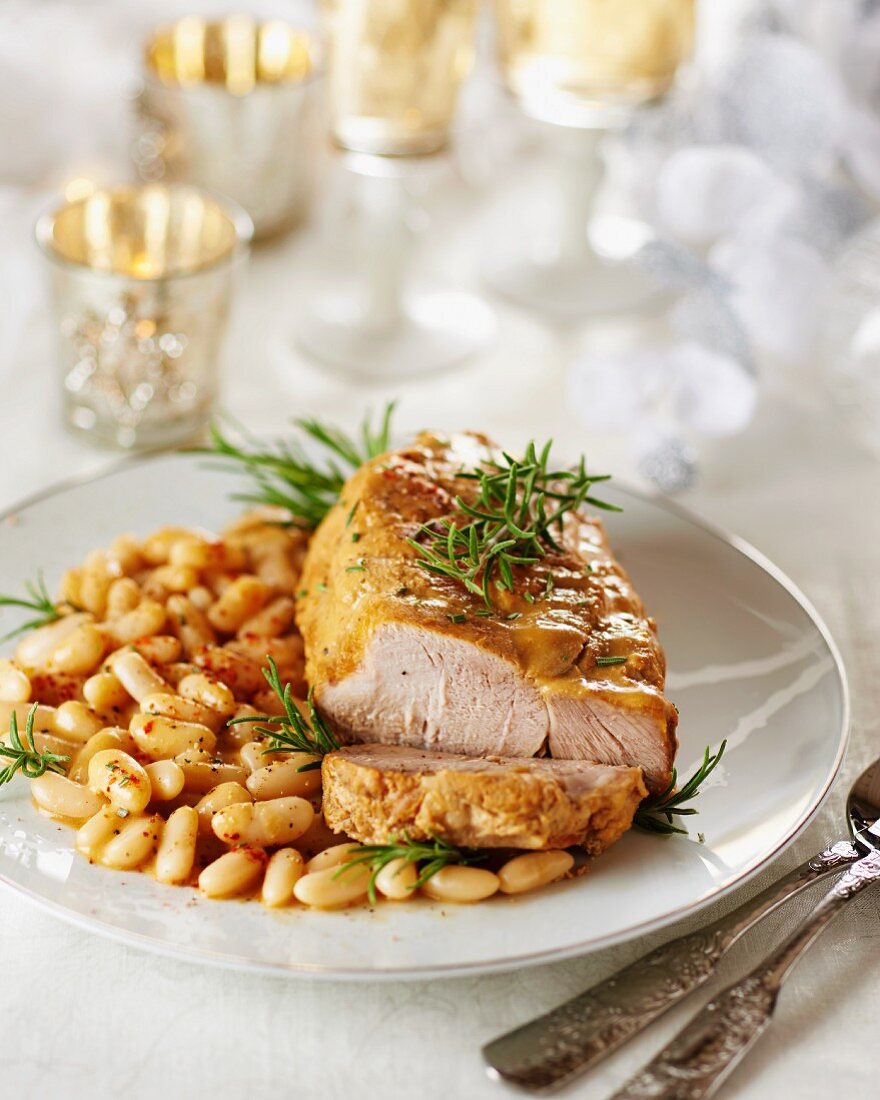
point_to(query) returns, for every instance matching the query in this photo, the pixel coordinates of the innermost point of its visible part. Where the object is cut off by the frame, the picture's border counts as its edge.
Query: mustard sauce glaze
(359, 564)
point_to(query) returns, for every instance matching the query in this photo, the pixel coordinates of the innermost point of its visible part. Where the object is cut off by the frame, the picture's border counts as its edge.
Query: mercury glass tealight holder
(142, 280)
(233, 106)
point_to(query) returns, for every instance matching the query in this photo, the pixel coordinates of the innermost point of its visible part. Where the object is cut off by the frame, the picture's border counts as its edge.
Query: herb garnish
(518, 510)
(284, 475)
(435, 855)
(25, 757)
(655, 815)
(38, 600)
(297, 734)
(607, 662)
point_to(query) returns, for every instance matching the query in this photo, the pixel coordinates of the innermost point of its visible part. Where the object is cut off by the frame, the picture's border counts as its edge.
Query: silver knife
(544, 1054)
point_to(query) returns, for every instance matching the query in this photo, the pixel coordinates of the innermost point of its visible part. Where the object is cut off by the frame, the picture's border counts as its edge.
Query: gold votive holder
(232, 106)
(142, 280)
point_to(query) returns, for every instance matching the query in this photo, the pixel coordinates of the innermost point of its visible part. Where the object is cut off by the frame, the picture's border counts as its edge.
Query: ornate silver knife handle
(542, 1055)
(706, 1051)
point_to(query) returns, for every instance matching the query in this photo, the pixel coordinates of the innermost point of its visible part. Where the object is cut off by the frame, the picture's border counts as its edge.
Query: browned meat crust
(374, 792)
(398, 655)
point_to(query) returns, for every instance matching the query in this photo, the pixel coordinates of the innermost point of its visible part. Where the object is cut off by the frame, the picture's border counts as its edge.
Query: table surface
(83, 1016)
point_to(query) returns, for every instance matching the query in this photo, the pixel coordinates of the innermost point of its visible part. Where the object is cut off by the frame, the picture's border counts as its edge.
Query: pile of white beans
(161, 643)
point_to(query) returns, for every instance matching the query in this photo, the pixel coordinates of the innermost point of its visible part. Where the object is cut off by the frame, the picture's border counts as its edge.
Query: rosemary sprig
(514, 520)
(429, 857)
(655, 815)
(37, 600)
(296, 733)
(24, 756)
(283, 474)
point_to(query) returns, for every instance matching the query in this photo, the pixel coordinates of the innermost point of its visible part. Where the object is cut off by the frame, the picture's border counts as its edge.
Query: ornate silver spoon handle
(542, 1055)
(706, 1050)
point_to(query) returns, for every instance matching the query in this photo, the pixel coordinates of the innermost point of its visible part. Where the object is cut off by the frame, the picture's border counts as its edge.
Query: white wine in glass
(585, 67)
(571, 62)
(395, 70)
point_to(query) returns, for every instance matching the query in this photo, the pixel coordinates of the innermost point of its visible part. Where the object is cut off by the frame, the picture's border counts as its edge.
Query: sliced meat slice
(568, 664)
(375, 792)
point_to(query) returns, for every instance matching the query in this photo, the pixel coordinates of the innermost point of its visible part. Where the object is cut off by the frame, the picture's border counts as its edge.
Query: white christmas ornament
(776, 290)
(705, 191)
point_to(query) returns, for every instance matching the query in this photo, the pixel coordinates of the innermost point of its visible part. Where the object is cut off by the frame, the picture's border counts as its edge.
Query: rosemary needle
(655, 815)
(37, 600)
(24, 756)
(295, 733)
(514, 519)
(286, 476)
(429, 857)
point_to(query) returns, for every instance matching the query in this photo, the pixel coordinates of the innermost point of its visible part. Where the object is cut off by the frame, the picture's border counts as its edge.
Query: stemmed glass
(394, 71)
(583, 67)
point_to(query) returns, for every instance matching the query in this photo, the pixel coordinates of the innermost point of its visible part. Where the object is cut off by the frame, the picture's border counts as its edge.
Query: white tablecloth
(85, 1017)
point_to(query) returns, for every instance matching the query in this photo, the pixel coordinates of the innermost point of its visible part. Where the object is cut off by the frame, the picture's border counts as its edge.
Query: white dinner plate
(749, 661)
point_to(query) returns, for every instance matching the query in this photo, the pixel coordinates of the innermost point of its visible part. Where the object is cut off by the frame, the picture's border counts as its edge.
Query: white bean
(157, 546)
(201, 554)
(276, 618)
(226, 794)
(283, 871)
(133, 844)
(181, 709)
(124, 556)
(241, 599)
(283, 778)
(397, 879)
(76, 721)
(94, 834)
(59, 796)
(324, 890)
(105, 694)
(166, 779)
(163, 738)
(263, 824)
(190, 625)
(210, 693)
(332, 857)
(255, 756)
(15, 687)
(201, 597)
(533, 870)
(80, 652)
(124, 596)
(461, 885)
(202, 772)
(111, 737)
(148, 617)
(177, 848)
(241, 675)
(233, 873)
(136, 676)
(119, 777)
(35, 649)
(175, 578)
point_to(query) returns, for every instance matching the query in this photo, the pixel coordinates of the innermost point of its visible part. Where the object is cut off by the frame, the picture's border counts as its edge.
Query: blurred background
(645, 228)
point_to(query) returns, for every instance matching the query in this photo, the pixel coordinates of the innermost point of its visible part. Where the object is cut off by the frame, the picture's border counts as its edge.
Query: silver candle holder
(143, 281)
(232, 106)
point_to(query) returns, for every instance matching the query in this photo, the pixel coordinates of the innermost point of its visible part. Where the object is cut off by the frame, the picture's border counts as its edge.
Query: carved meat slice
(567, 665)
(374, 792)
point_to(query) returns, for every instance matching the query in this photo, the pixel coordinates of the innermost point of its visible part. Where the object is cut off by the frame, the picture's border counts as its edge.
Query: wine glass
(583, 67)
(394, 71)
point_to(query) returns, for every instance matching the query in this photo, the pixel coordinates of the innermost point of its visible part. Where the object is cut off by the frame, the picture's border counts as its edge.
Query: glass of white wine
(584, 67)
(394, 72)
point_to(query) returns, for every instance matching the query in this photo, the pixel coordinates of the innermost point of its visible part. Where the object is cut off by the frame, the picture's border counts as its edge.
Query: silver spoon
(544, 1054)
(705, 1051)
